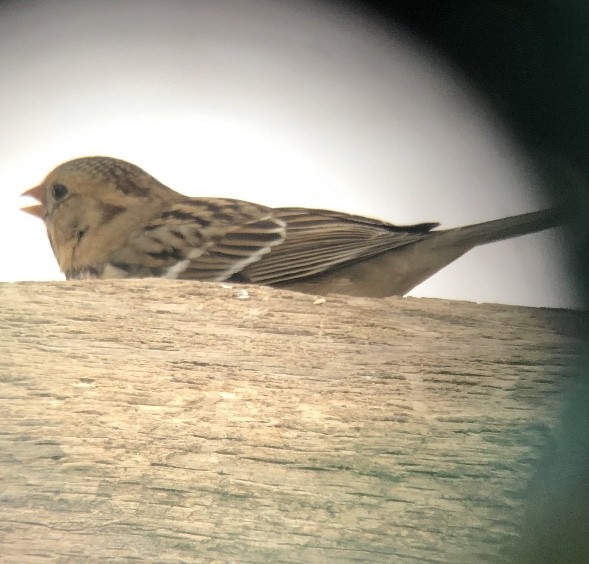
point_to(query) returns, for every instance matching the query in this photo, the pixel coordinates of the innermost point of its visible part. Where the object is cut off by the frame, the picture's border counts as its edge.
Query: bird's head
(93, 195)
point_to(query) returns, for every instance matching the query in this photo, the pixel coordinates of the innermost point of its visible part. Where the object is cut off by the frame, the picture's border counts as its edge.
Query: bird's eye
(59, 192)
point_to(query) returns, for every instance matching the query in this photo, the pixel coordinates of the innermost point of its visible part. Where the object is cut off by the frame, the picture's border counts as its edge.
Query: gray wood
(172, 420)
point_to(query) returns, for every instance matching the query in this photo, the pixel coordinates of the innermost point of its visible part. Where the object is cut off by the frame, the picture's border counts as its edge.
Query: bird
(108, 218)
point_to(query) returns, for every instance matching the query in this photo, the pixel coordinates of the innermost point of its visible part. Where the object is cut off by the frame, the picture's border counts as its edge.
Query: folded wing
(317, 241)
(220, 240)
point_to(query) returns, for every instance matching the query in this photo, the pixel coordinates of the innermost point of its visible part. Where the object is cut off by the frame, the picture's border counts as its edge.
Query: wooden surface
(160, 420)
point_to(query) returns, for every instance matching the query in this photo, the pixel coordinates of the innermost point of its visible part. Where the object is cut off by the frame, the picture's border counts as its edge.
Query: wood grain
(182, 421)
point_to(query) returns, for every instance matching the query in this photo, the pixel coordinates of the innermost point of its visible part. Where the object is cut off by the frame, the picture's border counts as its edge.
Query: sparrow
(107, 218)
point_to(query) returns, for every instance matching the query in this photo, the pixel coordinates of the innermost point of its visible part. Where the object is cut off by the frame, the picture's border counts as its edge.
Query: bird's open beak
(38, 210)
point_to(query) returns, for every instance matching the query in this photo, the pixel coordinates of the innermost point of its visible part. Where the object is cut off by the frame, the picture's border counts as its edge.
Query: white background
(278, 103)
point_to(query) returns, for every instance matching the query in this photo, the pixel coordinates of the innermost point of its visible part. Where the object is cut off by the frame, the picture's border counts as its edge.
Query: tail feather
(499, 229)
(399, 270)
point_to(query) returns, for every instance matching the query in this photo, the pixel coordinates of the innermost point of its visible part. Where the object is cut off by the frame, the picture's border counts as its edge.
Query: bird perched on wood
(107, 218)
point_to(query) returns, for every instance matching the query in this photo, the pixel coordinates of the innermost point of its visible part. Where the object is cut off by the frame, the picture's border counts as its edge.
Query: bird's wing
(219, 240)
(319, 240)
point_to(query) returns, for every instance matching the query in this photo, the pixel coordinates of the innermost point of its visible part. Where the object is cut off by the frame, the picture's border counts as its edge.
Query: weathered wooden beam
(173, 420)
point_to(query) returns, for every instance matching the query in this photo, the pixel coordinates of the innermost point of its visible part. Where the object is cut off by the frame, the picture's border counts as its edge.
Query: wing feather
(217, 239)
(317, 241)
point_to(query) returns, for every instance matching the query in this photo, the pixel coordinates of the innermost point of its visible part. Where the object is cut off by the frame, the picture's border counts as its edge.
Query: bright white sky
(274, 102)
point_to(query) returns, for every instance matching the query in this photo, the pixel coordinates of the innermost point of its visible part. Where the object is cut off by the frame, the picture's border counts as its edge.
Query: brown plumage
(107, 218)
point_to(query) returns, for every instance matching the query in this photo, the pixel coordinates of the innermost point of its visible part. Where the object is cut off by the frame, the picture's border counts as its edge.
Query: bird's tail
(498, 229)
(397, 271)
